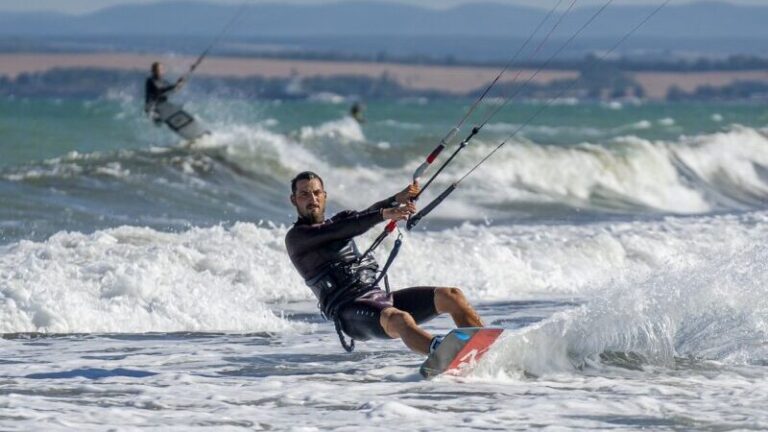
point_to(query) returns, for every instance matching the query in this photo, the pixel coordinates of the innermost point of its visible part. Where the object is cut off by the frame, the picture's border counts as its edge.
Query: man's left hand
(408, 194)
(399, 213)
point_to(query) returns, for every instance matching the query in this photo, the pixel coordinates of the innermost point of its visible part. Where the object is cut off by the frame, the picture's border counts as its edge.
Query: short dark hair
(155, 65)
(306, 175)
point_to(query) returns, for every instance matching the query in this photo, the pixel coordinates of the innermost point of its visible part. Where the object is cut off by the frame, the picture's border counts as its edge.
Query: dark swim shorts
(360, 319)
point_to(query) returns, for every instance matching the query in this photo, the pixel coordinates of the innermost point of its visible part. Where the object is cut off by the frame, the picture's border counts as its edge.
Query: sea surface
(144, 283)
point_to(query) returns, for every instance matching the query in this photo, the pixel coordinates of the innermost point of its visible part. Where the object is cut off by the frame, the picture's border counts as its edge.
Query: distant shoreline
(446, 79)
(456, 80)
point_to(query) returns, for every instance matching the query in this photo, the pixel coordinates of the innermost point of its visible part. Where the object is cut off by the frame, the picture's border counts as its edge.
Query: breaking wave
(693, 175)
(239, 278)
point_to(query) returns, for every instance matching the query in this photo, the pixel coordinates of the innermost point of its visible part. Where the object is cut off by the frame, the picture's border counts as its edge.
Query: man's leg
(399, 324)
(453, 302)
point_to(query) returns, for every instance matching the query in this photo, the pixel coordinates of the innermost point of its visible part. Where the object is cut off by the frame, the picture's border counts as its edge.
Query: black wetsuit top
(156, 91)
(328, 259)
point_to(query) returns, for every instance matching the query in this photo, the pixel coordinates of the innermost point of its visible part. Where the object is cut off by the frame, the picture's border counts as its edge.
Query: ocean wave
(238, 278)
(401, 124)
(140, 280)
(329, 98)
(344, 130)
(701, 307)
(696, 174)
(548, 131)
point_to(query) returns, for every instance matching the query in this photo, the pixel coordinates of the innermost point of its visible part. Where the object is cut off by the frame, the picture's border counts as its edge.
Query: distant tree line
(738, 91)
(669, 63)
(92, 83)
(597, 80)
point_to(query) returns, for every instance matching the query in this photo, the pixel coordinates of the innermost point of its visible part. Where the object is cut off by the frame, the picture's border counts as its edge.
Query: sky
(84, 6)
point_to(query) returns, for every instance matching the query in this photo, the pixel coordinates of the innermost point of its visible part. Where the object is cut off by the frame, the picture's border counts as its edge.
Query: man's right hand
(399, 213)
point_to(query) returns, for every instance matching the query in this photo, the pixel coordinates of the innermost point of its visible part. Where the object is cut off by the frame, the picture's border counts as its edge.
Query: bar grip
(414, 220)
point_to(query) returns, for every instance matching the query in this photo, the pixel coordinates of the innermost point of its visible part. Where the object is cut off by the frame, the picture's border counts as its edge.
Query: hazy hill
(697, 20)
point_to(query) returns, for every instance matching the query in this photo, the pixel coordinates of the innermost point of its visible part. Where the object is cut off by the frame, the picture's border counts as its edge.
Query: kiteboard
(459, 351)
(179, 121)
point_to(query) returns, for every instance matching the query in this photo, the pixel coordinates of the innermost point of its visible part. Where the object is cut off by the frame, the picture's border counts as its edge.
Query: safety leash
(348, 347)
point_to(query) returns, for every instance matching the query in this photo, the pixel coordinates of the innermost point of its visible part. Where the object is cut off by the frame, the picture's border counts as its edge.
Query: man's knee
(449, 297)
(394, 321)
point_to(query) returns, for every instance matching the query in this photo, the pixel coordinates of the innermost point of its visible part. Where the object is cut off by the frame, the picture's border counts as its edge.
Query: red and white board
(461, 349)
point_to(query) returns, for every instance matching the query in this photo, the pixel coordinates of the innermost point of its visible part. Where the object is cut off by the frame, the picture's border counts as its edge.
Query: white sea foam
(402, 125)
(327, 97)
(344, 130)
(641, 125)
(694, 175)
(680, 287)
(704, 309)
(113, 169)
(136, 279)
(581, 131)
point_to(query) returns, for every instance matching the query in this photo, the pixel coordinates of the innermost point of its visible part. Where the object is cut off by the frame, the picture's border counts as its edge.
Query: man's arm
(381, 205)
(161, 90)
(303, 238)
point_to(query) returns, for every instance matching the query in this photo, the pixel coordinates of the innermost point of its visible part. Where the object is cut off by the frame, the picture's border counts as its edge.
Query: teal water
(35, 129)
(90, 164)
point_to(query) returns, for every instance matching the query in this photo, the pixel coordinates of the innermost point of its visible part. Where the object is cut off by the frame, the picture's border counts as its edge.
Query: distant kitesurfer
(325, 254)
(356, 111)
(157, 90)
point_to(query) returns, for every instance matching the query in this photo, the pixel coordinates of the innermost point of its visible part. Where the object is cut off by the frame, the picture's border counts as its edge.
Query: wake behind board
(459, 350)
(180, 121)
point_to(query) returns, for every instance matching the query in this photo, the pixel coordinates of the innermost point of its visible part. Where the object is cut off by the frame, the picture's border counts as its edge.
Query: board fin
(460, 349)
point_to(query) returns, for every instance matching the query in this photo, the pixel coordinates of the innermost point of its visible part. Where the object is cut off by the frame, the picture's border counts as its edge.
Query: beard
(314, 215)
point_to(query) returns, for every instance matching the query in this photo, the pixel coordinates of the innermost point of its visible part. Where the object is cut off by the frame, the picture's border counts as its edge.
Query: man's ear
(293, 199)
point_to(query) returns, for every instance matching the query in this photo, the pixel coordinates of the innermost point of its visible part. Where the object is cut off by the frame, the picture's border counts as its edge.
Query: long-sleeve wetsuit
(329, 249)
(156, 90)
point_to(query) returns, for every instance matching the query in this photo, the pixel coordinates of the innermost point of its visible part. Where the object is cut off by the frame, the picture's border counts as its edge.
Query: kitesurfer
(326, 256)
(356, 111)
(157, 90)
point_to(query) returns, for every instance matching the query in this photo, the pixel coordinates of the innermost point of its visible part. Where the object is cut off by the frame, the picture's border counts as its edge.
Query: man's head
(157, 69)
(308, 196)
